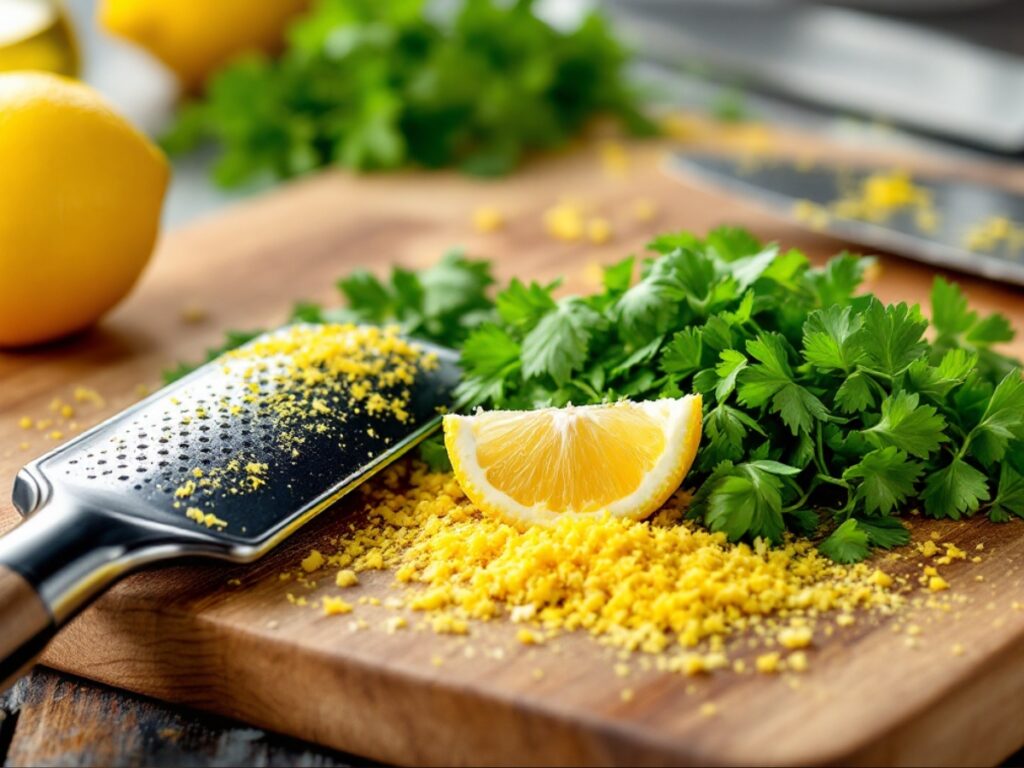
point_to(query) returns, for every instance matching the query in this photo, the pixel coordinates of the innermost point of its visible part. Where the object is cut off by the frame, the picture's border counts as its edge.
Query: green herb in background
(821, 407)
(730, 106)
(373, 85)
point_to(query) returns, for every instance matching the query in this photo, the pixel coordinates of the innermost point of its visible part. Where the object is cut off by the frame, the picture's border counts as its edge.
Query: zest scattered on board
(824, 410)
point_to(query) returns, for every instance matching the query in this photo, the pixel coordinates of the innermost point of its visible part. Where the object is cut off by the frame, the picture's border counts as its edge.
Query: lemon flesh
(623, 459)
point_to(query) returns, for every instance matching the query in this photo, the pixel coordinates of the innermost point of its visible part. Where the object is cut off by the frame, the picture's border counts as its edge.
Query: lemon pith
(623, 459)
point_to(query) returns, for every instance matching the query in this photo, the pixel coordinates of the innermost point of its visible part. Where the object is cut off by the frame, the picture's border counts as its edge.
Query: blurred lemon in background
(35, 34)
(195, 37)
(80, 197)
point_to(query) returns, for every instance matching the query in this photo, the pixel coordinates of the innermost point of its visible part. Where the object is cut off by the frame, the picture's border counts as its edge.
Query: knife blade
(789, 188)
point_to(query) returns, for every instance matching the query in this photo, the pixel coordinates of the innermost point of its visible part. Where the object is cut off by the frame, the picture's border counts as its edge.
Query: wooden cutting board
(186, 635)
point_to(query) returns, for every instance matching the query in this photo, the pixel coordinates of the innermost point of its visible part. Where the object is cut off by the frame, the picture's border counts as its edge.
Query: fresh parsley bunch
(823, 408)
(371, 85)
(820, 405)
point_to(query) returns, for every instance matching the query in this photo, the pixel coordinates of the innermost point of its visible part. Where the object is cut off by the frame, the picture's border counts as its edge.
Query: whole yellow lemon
(195, 37)
(80, 198)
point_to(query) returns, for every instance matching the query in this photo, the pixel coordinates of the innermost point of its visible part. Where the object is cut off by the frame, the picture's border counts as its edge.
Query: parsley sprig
(823, 408)
(371, 85)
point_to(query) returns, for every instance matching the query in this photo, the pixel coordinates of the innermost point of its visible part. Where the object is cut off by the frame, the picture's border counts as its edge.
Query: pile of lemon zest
(564, 221)
(488, 219)
(614, 158)
(993, 232)
(928, 548)
(679, 586)
(527, 637)
(644, 209)
(346, 578)
(208, 519)
(797, 661)
(599, 230)
(88, 395)
(334, 606)
(881, 578)
(313, 561)
(795, 637)
(185, 490)
(767, 663)
(811, 215)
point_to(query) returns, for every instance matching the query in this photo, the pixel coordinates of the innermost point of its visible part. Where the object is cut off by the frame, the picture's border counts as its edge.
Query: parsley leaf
(892, 336)
(887, 478)
(847, 544)
(830, 339)
(773, 378)
(522, 306)
(884, 532)
(916, 429)
(950, 315)
(441, 303)
(835, 283)
(490, 351)
(559, 344)
(955, 490)
(1002, 420)
(746, 501)
(855, 394)
(1009, 495)
(683, 354)
(732, 362)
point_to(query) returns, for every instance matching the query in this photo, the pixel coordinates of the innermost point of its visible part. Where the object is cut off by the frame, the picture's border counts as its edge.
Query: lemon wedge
(623, 459)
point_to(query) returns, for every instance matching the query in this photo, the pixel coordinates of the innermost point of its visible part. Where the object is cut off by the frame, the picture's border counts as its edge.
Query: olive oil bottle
(36, 34)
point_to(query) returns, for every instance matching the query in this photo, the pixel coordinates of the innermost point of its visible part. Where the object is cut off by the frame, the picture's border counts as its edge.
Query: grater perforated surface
(217, 442)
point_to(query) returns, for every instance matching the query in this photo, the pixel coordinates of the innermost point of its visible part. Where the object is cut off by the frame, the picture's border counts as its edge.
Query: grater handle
(27, 625)
(55, 562)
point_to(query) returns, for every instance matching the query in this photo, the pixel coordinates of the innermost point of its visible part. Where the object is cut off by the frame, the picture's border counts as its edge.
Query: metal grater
(116, 497)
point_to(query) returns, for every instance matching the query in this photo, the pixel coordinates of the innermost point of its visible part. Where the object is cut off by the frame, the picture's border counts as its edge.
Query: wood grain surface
(240, 649)
(58, 720)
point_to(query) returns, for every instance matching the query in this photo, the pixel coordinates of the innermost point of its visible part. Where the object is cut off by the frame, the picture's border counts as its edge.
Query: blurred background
(949, 68)
(947, 75)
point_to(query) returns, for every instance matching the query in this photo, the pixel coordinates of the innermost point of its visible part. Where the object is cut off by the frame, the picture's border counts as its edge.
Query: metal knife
(790, 188)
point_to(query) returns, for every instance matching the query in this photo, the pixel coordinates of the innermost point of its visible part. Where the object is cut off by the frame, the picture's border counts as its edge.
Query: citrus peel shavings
(638, 585)
(302, 379)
